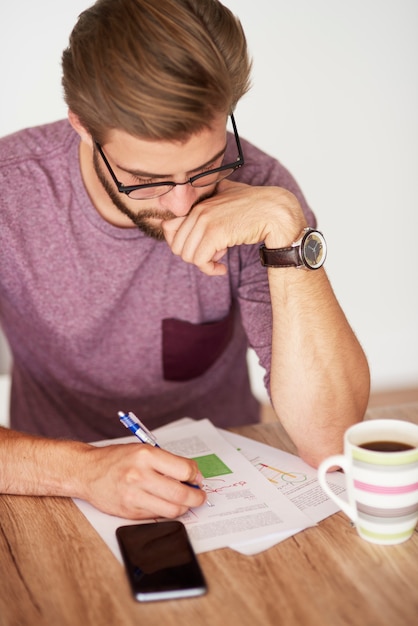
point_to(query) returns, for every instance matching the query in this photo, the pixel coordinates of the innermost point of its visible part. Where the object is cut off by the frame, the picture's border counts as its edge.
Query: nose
(180, 199)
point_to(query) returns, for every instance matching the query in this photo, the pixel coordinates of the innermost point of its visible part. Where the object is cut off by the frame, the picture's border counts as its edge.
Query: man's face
(137, 161)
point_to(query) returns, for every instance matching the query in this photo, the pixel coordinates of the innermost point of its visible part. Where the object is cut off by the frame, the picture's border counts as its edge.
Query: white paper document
(296, 480)
(259, 495)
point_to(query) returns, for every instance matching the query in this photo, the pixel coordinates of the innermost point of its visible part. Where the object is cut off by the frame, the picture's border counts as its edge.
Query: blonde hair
(157, 70)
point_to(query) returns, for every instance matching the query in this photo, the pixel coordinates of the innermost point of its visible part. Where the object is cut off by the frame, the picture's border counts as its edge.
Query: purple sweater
(101, 318)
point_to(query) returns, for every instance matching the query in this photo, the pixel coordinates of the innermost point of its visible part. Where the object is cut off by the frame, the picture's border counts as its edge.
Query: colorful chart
(211, 465)
(276, 475)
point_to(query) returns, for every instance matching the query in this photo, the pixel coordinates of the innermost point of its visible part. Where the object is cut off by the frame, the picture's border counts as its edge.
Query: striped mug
(380, 463)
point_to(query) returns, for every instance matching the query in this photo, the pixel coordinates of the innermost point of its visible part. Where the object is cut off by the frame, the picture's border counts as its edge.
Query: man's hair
(157, 70)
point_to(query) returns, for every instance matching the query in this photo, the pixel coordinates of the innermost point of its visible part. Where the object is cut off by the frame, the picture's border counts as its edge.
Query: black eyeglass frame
(128, 189)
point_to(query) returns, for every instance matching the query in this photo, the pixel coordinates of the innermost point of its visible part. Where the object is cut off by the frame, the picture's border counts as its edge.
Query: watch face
(314, 250)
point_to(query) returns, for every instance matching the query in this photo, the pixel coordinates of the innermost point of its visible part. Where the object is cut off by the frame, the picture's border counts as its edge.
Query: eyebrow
(141, 173)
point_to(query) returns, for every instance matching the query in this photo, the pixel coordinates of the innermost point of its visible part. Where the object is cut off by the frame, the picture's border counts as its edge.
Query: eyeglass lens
(205, 180)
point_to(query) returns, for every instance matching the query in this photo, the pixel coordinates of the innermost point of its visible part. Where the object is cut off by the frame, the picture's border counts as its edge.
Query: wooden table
(56, 571)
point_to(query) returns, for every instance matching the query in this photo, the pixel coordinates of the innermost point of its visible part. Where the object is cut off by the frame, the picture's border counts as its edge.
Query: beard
(142, 219)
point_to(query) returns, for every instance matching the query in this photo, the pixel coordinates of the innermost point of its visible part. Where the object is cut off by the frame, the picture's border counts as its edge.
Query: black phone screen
(160, 561)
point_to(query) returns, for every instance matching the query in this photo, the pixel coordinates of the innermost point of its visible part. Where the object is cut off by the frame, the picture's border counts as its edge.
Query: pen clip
(143, 428)
(139, 429)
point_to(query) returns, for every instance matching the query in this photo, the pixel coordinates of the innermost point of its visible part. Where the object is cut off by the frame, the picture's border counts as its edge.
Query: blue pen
(140, 431)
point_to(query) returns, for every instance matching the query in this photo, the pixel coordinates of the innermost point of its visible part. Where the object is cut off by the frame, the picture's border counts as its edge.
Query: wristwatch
(308, 252)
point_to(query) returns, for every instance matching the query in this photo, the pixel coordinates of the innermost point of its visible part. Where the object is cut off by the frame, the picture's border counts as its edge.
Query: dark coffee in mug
(386, 446)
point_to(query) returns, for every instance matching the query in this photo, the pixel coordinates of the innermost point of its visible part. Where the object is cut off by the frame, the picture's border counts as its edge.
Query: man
(130, 273)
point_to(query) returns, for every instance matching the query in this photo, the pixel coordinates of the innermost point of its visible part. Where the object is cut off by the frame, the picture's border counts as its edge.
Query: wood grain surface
(56, 571)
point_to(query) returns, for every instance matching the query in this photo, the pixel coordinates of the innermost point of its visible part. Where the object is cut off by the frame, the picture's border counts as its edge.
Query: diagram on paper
(215, 471)
(210, 465)
(275, 475)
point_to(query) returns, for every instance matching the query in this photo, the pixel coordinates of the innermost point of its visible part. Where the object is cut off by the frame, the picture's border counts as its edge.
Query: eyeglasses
(154, 190)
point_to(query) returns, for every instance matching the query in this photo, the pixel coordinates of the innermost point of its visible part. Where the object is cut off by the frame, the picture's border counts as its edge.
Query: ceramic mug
(380, 463)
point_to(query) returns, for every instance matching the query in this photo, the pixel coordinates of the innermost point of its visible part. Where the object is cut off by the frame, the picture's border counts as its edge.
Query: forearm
(319, 373)
(128, 480)
(31, 465)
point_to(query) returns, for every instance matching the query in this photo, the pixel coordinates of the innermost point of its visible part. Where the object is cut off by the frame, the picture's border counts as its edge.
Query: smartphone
(160, 561)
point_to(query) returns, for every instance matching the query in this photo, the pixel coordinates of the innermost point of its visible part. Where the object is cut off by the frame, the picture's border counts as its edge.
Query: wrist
(66, 474)
(87, 460)
(284, 236)
(285, 220)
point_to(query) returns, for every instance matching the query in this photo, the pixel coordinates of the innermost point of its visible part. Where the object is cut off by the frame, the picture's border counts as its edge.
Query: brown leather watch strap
(280, 257)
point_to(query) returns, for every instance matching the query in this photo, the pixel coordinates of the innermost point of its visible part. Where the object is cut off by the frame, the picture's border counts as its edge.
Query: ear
(79, 128)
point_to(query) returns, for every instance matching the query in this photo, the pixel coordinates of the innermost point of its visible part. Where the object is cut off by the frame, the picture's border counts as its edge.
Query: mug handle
(340, 461)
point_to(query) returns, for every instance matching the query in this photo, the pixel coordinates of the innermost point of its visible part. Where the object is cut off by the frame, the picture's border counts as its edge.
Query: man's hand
(140, 481)
(236, 214)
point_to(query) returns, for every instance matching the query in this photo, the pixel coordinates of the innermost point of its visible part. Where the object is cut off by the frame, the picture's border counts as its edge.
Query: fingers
(164, 497)
(198, 239)
(227, 218)
(140, 482)
(144, 504)
(170, 465)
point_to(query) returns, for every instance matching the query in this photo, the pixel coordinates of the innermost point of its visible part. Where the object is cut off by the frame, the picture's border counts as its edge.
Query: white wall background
(335, 98)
